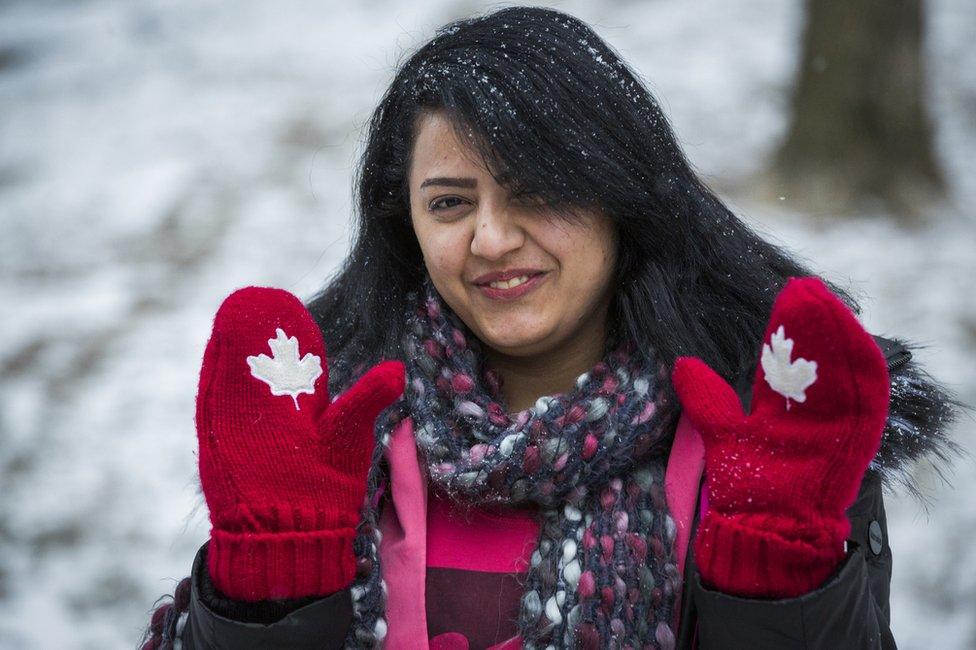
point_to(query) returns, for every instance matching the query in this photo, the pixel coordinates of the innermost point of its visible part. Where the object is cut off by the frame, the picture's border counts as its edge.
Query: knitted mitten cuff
(757, 556)
(264, 566)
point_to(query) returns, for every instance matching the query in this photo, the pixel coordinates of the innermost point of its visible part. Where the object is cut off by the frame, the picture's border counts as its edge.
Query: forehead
(436, 145)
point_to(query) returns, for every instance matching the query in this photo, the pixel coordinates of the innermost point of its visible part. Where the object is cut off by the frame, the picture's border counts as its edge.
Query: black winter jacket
(850, 610)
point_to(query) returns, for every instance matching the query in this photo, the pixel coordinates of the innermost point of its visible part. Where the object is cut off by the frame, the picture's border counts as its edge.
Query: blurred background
(155, 155)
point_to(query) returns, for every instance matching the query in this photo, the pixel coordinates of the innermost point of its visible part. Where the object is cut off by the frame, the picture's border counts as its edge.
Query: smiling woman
(544, 341)
(532, 286)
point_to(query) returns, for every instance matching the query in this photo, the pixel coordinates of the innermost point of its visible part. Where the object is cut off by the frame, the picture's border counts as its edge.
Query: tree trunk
(860, 133)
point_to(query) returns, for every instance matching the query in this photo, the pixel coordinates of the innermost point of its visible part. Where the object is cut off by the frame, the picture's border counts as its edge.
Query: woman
(533, 444)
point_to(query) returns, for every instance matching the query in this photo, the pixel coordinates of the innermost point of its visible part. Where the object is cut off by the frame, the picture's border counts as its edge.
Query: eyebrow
(450, 182)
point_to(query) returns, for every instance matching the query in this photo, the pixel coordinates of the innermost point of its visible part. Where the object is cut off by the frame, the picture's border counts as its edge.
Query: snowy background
(156, 155)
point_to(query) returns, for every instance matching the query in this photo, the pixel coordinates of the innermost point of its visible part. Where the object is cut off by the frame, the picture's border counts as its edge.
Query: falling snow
(157, 155)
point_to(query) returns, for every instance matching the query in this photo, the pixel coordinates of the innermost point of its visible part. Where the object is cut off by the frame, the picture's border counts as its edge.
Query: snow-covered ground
(156, 155)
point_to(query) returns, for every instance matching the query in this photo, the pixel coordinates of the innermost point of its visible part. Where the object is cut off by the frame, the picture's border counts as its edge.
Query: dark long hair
(559, 116)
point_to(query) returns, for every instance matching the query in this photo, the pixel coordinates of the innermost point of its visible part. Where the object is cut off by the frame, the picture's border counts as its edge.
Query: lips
(500, 276)
(513, 293)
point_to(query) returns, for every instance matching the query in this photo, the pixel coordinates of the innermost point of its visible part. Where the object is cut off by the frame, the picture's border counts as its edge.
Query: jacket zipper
(902, 356)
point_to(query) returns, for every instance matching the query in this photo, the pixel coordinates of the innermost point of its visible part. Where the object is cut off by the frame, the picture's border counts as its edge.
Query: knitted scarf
(603, 573)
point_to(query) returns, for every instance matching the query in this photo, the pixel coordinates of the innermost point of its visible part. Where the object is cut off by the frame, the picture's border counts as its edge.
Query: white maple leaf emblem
(285, 373)
(788, 378)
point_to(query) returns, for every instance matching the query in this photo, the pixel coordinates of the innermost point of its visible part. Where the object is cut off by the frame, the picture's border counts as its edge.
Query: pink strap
(403, 546)
(682, 478)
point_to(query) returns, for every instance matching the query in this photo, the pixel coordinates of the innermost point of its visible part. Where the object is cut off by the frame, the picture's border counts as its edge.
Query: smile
(514, 288)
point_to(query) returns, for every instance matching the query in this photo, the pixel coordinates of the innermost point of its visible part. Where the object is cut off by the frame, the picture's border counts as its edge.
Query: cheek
(444, 251)
(584, 254)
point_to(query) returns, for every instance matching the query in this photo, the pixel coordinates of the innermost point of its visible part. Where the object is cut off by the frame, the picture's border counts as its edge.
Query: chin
(509, 342)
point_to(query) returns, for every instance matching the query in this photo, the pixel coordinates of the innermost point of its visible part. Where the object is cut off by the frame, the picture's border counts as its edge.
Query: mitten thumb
(347, 425)
(711, 404)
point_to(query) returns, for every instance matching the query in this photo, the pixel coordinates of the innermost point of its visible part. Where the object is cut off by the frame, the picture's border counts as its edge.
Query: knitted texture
(781, 478)
(592, 459)
(283, 468)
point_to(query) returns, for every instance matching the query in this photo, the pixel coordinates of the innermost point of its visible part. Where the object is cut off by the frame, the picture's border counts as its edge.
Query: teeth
(514, 282)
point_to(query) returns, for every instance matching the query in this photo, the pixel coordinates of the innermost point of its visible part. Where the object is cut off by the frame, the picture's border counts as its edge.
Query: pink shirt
(439, 559)
(475, 559)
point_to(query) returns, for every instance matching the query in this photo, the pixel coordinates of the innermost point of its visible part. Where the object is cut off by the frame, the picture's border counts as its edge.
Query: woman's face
(468, 225)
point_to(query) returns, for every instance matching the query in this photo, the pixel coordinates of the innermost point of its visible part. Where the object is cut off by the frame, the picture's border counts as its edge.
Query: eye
(433, 205)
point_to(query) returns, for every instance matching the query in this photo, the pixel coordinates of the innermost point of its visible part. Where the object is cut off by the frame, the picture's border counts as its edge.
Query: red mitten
(781, 478)
(283, 470)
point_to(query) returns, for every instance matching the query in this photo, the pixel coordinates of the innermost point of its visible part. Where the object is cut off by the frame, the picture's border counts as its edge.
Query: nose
(496, 232)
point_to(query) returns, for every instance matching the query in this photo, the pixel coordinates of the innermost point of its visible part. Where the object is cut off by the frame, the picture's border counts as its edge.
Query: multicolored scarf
(603, 573)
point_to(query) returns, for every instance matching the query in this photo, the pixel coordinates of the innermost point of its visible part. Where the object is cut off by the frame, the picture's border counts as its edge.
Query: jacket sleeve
(212, 621)
(850, 610)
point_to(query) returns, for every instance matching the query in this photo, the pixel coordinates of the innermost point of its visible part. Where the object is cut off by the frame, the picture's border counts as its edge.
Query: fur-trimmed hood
(921, 413)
